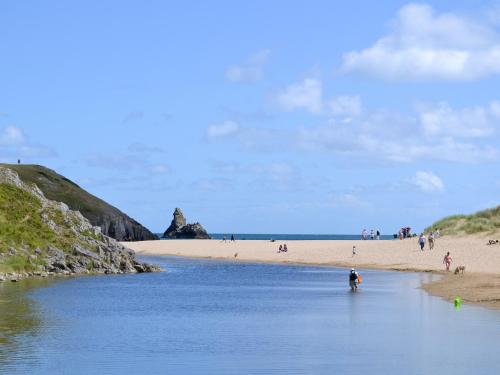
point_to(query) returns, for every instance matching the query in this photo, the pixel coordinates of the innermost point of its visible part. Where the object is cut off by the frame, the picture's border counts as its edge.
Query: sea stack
(180, 229)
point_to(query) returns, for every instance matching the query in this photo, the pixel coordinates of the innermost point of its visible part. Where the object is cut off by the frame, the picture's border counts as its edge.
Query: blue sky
(289, 117)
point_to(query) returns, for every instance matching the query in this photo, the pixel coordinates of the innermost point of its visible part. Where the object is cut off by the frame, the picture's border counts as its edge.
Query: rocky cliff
(180, 229)
(39, 236)
(112, 221)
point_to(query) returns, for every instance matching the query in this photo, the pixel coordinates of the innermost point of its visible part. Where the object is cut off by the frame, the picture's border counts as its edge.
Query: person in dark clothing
(353, 280)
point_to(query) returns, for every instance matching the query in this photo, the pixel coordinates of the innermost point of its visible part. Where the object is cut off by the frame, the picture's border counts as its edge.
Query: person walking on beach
(421, 241)
(401, 234)
(353, 280)
(232, 238)
(447, 261)
(280, 249)
(285, 249)
(372, 234)
(431, 240)
(353, 250)
(378, 234)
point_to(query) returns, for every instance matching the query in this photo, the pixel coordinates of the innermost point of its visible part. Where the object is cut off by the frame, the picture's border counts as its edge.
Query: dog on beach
(460, 269)
(236, 255)
(492, 242)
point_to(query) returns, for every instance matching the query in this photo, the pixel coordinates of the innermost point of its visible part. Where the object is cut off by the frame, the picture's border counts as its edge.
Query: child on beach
(447, 261)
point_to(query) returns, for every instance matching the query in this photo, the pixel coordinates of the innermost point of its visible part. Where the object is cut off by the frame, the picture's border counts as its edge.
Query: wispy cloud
(14, 143)
(305, 95)
(425, 45)
(251, 70)
(138, 147)
(222, 130)
(437, 132)
(133, 116)
(427, 182)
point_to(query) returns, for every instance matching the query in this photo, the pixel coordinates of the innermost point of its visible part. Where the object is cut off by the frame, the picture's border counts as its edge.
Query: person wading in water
(353, 280)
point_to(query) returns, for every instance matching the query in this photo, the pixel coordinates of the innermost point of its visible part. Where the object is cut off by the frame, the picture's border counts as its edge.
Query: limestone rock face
(180, 229)
(85, 248)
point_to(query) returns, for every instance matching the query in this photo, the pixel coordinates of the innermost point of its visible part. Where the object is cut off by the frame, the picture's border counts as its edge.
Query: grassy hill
(112, 221)
(486, 221)
(38, 235)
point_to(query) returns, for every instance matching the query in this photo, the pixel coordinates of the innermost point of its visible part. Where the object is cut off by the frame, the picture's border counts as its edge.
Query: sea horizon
(289, 236)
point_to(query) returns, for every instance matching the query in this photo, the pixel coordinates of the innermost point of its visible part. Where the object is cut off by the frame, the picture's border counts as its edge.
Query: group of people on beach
(233, 238)
(374, 234)
(404, 232)
(431, 239)
(282, 249)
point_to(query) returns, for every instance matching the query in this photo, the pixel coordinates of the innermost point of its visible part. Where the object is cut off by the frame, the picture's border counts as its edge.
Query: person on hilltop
(447, 261)
(353, 280)
(421, 241)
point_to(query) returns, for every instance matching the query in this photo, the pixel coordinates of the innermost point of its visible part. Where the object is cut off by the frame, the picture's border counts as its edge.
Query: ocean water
(212, 317)
(289, 237)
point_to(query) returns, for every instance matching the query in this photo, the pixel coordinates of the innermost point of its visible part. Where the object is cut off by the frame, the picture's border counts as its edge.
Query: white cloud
(428, 182)
(345, 106)
(252, 70)
(305, 95)
(15, 144)
(474, 122)
(225, 129)
(423, 45)
(12, 136)
(439, 132)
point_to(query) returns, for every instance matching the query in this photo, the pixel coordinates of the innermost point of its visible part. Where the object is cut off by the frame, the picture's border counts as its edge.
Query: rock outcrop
(180, 229)
(43, 237)
(111, 220)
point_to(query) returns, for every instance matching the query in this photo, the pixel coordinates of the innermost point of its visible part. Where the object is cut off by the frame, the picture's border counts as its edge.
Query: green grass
(487, 222)
(22, 228)
(58, 188)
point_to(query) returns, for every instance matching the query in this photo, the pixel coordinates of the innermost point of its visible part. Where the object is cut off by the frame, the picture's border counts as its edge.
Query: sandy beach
(480, 283)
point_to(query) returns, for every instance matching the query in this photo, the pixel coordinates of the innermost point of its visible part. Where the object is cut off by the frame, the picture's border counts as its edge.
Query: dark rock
(179, 229)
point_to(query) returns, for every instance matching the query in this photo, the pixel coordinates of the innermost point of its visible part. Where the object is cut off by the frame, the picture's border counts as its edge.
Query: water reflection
(19, 318)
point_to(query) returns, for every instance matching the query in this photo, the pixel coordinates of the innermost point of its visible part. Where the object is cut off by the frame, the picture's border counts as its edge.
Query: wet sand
(480, 283)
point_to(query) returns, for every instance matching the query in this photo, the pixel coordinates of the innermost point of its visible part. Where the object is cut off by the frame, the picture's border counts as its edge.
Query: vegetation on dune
(486, 221)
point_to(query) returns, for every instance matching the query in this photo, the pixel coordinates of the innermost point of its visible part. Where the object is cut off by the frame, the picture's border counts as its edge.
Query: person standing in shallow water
(353, 280)
(447, 261)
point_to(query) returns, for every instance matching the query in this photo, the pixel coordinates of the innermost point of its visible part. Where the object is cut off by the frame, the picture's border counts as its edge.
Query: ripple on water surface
(211, 317)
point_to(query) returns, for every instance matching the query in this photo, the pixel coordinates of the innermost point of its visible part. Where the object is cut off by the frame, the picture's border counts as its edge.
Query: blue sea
(229, 318)
(289, 237)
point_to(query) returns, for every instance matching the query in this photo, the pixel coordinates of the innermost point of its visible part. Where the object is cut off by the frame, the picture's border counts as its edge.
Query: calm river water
(211, 317)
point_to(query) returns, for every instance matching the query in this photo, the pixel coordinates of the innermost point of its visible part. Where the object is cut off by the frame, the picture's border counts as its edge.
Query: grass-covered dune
(484, 222)
(112, 221)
